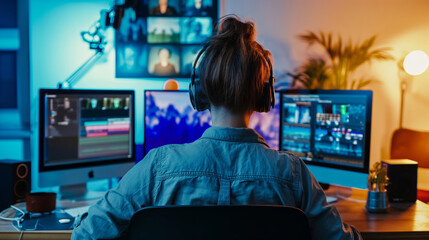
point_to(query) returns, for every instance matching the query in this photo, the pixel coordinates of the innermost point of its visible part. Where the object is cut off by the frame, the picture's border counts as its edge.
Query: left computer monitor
(84, 135)
(170, 119)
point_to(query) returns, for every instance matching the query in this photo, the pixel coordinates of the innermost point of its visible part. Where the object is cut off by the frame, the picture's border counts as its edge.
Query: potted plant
(377, 182)
(335, 67)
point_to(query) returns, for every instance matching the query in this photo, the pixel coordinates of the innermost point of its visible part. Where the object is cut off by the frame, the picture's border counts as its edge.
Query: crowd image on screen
(178, 24)
(170, 119)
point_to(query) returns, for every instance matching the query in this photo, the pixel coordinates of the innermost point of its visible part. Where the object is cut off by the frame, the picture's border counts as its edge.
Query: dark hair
(234, 66)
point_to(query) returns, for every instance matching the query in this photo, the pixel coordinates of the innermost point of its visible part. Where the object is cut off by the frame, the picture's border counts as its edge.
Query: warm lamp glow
(171, 85)
(416, 62)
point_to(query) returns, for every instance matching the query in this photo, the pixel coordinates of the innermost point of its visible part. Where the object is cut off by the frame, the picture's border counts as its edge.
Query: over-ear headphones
(199, 99)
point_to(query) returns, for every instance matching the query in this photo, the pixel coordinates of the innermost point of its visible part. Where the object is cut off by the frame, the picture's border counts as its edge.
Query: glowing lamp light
(171, 85)
(416, 62)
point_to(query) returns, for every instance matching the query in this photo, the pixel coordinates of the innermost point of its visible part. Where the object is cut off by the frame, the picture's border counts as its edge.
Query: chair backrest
(219, 222)
(412, 145)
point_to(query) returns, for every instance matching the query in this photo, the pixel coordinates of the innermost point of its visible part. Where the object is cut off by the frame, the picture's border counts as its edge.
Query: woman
(230, 163)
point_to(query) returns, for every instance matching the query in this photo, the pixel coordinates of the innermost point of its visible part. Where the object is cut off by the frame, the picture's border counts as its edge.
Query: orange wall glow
(398, 24)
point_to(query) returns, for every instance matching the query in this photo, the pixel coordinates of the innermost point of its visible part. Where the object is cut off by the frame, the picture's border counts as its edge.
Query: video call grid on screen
(80, 128)
(170, 119)
(328, 128)
(162, 42)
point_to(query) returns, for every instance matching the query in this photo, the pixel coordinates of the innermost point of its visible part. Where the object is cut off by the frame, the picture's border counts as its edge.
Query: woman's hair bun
(234, 66)
(231, 27)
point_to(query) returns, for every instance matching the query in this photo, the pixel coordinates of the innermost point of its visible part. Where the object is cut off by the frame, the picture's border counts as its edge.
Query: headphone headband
(200, 101)
(200, 53)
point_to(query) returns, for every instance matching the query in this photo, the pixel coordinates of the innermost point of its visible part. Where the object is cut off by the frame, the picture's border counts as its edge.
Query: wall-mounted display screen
(161, 38)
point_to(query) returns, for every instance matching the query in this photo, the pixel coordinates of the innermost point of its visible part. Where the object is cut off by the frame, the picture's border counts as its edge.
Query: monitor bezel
(43, 92)
(367, 93)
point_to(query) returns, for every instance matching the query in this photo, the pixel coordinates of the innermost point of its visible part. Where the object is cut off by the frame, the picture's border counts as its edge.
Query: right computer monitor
(331, 131)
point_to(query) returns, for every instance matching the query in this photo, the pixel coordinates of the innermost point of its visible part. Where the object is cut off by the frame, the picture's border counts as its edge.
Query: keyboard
(330, 199)
(74, 212)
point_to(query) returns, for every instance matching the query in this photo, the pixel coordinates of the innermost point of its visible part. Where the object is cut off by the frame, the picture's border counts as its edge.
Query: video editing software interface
(170, 119)
(87, 127)
(327, 128)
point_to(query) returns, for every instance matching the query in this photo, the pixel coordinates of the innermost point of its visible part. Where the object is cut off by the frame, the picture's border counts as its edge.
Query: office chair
(219, 222)
(412, 145)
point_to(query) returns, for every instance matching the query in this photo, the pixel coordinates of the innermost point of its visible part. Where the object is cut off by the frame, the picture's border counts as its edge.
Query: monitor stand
(79, 192)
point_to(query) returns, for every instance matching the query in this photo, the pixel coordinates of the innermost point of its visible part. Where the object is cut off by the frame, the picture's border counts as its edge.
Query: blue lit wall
(57, 50)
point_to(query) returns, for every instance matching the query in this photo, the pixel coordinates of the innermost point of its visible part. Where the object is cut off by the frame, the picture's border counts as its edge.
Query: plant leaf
(334, 69)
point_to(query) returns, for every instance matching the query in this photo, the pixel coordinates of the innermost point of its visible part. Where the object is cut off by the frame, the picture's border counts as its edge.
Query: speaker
(15, 181)
(403, 180)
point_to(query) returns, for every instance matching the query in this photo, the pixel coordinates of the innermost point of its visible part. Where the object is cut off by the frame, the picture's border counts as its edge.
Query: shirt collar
(234, 135)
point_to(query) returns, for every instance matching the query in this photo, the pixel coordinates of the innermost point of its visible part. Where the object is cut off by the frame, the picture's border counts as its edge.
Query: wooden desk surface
(411, 223)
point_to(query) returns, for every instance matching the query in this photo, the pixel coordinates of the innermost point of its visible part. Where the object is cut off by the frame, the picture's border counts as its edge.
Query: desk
(7, 231)
(412, 223)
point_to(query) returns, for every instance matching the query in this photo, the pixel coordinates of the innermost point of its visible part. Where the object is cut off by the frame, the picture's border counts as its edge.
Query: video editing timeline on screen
(82, 127)
(325, 128)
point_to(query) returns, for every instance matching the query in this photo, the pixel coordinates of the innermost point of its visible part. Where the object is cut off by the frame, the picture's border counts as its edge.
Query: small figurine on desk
(377, 181)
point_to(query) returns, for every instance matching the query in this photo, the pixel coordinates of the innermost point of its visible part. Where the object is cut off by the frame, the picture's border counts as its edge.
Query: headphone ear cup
(192, 95)
(199, 99)
(265, 103)
(272, 93)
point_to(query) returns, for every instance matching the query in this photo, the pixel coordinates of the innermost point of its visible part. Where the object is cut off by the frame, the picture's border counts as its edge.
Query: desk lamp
(171, 85)
(415, 63)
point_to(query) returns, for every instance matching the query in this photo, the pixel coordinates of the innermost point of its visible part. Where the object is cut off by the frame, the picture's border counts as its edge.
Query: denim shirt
(226, 166)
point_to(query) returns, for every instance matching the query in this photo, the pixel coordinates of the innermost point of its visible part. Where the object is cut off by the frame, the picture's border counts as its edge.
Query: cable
(14, 218)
